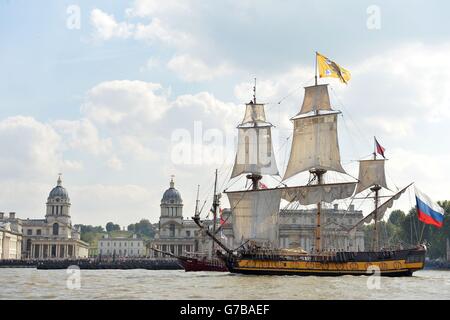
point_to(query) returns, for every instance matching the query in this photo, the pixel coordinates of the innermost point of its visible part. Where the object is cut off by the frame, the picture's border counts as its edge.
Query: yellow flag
(328, 68)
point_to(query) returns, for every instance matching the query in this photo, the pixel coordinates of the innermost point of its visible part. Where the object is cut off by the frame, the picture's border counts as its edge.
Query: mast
(254, 93)
(254, 177)
(376, 188)
(315, 70)
(255, 155)
(215, 206)
(315, 148)
(197, 201)
(319, 174)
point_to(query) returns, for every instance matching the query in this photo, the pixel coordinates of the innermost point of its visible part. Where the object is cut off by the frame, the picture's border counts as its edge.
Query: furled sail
(255, 150)
(314, 145)
(316, 98)
(371, 172)
(307, 195)
(381, 209)
(254, 113)
(255, 214)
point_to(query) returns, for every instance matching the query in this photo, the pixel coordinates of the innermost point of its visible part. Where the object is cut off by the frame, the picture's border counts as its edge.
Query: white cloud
(156, 30)
(115, 163)
(132, 146)
(193, 69)
(83, 135)
(149, 8)
(106, 26)
(31, 149)
(124, 104)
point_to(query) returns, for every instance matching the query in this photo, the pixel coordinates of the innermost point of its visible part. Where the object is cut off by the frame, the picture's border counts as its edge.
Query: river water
(178, 284)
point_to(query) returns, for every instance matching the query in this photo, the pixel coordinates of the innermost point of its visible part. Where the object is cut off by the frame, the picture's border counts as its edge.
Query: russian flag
(429, 211)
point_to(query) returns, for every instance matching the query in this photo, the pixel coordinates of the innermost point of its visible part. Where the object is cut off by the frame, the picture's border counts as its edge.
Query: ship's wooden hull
(199, 264)
(390, 263)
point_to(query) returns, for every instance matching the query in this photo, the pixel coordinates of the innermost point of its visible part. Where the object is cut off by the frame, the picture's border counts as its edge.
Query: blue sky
(101, 103)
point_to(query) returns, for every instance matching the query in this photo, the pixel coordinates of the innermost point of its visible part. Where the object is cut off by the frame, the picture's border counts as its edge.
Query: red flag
(380, 149)
(222, 220)
(262, 185)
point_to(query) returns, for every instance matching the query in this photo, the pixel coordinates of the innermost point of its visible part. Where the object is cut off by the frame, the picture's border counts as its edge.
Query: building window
(55, 229)
(53, 251)
(28, 248)
(172, 230)
(188, 233)
(29, 232)
(38, 232)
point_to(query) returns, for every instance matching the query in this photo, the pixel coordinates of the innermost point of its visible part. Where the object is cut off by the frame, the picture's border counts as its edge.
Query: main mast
(315, 148)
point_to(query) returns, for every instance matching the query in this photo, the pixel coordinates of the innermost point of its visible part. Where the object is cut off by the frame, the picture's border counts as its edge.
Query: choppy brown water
(147, 284)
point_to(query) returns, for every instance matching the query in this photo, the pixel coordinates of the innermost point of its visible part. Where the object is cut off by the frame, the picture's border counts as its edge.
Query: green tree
(110, 226)
(407, 229)
(143, 228)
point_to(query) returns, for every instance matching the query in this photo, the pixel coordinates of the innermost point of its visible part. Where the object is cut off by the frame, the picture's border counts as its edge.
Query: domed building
(175, 234)
(53, 237)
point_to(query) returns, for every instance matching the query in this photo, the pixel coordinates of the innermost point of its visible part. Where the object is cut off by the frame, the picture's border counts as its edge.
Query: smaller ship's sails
(255, 151)
(371, 173)
(378, 213)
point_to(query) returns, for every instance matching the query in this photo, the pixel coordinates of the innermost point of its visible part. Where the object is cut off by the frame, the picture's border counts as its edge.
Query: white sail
(255, 215)
(381, 210)
(312, 194)
(316, 98)
(255, 152)
(371, 172)
(314, 145)
(254, 112)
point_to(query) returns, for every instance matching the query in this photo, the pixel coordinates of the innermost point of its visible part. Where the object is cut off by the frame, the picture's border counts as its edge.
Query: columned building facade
(297, 229)
(10, 241)
(53, 237)
(175, 234)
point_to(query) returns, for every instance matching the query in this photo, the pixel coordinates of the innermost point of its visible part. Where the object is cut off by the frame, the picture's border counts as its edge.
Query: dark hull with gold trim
(395, 263)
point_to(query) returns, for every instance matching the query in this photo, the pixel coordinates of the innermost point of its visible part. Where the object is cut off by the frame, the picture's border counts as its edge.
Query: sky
(118, 96)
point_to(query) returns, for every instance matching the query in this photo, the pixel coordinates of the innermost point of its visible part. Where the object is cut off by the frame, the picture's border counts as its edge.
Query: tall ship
(202, 261)
(205, 261)
(314, 153)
